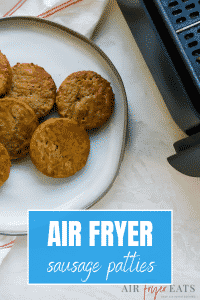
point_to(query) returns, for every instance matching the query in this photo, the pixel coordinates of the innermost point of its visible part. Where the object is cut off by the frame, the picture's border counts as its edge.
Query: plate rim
(113, 68)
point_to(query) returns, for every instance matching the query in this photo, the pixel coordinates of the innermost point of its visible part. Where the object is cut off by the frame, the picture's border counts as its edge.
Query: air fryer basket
(180, 19)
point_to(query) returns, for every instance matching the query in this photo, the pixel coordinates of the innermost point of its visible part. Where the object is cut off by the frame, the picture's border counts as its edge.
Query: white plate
(60, 52)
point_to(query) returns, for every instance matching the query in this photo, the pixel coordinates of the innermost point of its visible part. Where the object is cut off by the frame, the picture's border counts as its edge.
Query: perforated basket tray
(184, 16)
(182, 13)
(182, 19)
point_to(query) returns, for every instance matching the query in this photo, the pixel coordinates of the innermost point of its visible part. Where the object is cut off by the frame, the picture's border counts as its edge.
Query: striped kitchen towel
(6, 243)
(79, 15)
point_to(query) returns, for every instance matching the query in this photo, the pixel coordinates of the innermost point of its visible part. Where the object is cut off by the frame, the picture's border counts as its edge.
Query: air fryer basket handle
(187, 157)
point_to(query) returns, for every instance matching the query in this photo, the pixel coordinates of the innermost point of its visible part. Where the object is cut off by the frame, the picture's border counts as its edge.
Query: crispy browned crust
(87, 98)
(5, 164)
(35, 85)
(5, 74)
(17, 124)
(59, 147)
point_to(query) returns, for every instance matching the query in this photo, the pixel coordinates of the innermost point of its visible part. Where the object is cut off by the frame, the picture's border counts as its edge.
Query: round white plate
(60, 51)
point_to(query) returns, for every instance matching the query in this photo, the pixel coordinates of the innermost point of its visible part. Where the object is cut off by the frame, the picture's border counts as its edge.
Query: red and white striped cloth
(6, 243)
(79, 15)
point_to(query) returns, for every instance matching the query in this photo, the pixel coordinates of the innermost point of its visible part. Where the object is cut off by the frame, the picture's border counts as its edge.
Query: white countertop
(145, 180)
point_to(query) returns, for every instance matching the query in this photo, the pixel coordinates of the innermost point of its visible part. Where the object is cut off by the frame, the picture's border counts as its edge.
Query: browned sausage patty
(5, 74)
(59, 147)
(5, 164)
(36, 87)
(87, 98)
(17, 124)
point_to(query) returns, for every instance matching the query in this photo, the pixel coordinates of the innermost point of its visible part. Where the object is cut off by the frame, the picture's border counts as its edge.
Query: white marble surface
(145, 181)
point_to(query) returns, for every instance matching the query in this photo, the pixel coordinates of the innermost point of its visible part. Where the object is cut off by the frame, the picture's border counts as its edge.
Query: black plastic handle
(187, 159)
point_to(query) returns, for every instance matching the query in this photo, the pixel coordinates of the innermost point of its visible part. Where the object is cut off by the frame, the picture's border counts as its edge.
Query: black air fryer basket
(178, 24)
